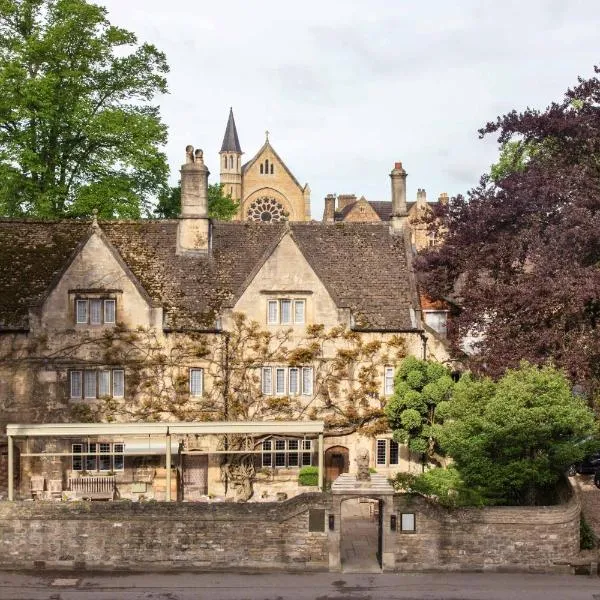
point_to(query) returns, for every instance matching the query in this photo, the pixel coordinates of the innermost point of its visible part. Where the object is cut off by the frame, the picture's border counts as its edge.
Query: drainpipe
(11, 467)
(424, 340)
(168, 461)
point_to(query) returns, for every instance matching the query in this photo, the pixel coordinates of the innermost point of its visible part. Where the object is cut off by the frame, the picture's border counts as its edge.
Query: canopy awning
(176, 428)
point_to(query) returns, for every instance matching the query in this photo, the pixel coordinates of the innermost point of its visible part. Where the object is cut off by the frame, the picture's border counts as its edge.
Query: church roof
(266, 145)
(231, 142)
(363, 267)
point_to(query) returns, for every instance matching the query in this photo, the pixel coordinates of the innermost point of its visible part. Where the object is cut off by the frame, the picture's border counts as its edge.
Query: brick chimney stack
(443, 199)
(329, 213)
(399, 212)
(193, 232)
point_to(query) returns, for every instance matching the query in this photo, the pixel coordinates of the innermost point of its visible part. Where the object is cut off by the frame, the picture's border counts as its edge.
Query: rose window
(266, 210)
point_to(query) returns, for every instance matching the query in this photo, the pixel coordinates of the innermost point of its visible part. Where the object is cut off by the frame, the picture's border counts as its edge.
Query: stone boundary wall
(275, 536)
(162, 536)
(531, 538)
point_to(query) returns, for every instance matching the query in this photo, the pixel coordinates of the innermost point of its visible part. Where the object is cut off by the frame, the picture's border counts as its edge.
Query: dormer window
(95, 311)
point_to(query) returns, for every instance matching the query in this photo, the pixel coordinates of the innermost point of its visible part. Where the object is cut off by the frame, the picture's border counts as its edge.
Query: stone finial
(189, 153)
(267, 135)
(95, 218)
(199, 156)
(362, 463)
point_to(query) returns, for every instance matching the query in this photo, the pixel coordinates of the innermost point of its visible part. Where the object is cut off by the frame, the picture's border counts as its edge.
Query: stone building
(350, 209)
(194, 321)
(264, 186)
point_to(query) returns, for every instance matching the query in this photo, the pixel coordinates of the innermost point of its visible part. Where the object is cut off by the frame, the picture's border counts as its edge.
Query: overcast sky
(347, 87)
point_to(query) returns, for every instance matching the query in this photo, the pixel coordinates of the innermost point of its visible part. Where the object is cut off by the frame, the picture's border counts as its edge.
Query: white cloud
(346, 87)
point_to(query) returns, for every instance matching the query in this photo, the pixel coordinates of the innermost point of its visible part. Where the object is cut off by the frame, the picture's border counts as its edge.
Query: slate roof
(363, 267)
(231, 142)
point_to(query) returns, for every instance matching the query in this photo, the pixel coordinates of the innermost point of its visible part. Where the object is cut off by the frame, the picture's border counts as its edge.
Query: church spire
(231, 143)
(231, 161)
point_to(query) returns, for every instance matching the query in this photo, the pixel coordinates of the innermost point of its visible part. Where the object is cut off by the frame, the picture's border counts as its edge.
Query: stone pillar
(193, 233)
(421, 198)
(399, 212)
(321, 462)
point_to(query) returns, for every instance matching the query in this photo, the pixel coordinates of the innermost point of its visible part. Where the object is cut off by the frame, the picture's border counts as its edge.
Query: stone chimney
(329, 212)
(443, 199)
(399, 212)
(193, 232)
(421, 198)
(345, 199)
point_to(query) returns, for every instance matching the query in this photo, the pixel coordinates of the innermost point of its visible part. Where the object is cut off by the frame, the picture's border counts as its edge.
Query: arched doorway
(337, 461)
(361, 535)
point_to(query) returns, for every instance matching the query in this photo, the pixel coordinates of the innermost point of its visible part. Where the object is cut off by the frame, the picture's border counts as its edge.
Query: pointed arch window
(224, 162)
(261, 168)
(231, 162)
(266, 166)
(271, 168)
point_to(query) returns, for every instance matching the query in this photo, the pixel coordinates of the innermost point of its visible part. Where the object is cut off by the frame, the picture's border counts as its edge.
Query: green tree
(512, 440)
(220, 206)
(77, 130)
(419, 386)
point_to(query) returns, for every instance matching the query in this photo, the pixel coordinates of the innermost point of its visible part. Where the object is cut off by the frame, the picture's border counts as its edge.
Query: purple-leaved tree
(522, 254)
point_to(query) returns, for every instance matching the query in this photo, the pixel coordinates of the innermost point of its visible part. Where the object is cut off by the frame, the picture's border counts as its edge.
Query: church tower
(231, 161)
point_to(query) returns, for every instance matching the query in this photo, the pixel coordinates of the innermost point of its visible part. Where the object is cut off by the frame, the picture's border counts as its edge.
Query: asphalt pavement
(281, 586)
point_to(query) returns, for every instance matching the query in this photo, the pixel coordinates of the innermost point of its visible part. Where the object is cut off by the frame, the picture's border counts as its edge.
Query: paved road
(317, 586)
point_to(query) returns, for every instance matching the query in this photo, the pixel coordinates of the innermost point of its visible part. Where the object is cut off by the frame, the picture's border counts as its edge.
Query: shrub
(308, 476)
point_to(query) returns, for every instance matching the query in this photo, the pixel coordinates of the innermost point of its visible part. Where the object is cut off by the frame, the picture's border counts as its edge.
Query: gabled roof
(363, 267)
(265, 146)
(231, 142)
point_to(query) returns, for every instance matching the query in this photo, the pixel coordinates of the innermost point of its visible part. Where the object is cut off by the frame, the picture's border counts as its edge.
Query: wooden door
(336, 462)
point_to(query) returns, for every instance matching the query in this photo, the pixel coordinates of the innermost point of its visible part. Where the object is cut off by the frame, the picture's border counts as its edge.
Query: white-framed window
(292, 381)
(387, 453)
(286, 311)
(81, 311)
(196, 382)
(98, 456)
(110, 311)
(96, 383)
(95, 311)
(388, 381)
(286, 453)
(280, 381)
(76, 384)
(267, 381)
(272, 312)
(437, 320)
(118, 383)
(89, 384)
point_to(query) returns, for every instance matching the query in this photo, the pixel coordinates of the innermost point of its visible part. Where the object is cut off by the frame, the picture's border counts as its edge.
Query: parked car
(589, 464)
